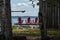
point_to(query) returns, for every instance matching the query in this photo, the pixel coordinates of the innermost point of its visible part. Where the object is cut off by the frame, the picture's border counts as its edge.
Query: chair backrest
(28, 20)
(20, 20)
(36, 19)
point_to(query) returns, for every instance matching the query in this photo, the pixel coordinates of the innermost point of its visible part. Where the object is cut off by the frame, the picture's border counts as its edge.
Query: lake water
(14, 19)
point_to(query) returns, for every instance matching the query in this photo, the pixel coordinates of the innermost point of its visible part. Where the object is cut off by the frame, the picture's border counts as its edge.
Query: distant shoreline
(24, 16)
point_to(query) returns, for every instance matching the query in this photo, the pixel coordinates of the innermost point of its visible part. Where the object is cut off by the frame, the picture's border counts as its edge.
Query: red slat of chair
(28, 20)
(36, 19)
(20, 20)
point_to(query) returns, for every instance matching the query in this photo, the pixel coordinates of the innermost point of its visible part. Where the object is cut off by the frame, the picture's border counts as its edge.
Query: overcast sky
(24, 5)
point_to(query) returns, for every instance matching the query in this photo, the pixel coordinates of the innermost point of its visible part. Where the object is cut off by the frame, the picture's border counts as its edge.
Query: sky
(24, 5)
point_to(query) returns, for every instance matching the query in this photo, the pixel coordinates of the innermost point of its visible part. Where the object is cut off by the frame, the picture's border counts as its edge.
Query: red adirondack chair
(36, 20)
(28, 20)
(20, 20)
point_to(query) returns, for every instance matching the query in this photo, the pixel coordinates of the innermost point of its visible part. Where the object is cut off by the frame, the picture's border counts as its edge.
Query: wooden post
(8, 27)
(50, 11)
(42, 15)
(6, 19)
